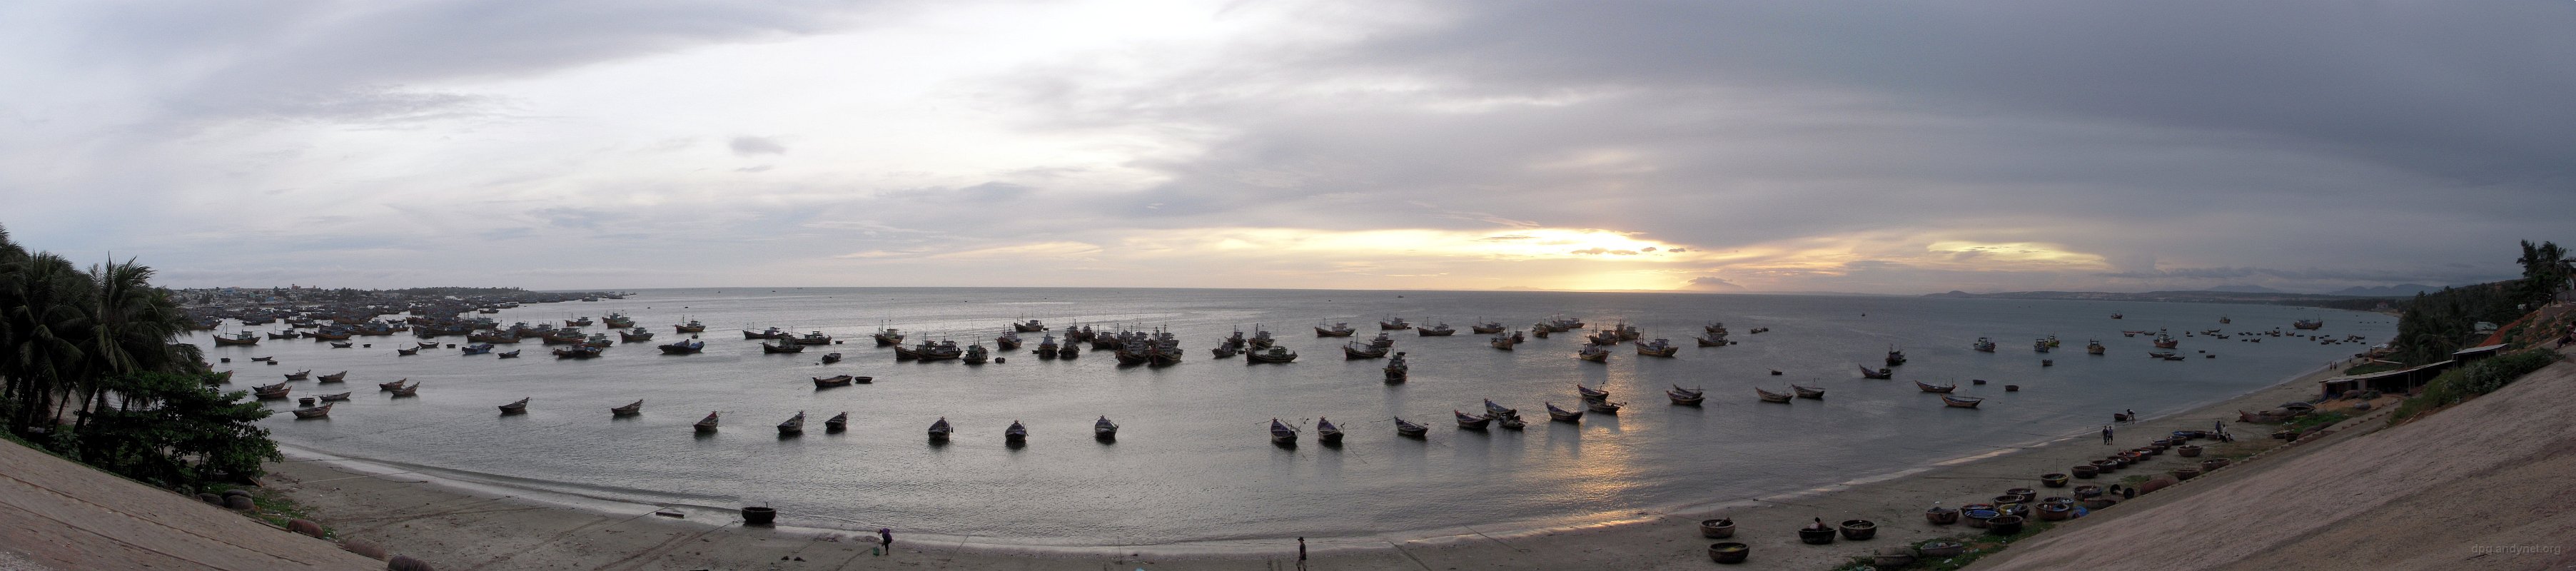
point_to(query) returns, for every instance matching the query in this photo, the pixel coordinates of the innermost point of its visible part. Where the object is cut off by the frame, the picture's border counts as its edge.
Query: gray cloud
(747, 146)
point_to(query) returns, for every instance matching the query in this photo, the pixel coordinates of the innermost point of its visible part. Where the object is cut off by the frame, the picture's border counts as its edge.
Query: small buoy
(1001, 360)
(2012, 388)
(228, 359)
(1977, 381)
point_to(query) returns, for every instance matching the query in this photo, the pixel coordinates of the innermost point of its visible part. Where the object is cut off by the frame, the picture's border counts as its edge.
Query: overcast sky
(1873, 146)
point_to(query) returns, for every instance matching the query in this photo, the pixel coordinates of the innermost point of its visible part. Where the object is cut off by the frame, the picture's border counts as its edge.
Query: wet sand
(470, 525)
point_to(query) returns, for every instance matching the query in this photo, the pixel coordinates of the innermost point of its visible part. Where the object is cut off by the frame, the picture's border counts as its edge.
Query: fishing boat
(408, 390)
(333, 397)
(794, 425)
(477, 349)
(774, 348)
(1962, 402)
(342, 344)
(1362, 351)
(1710, 342)
(513, 354)
(1281, 434)
(1807, 392)
(1271, 355)
(1068, 352)
(1408, 429)
(693, 326)
(1503, 341)
(1104, 429)
(1325, 432)
(271, 392)
(407, 352)
(1932, 388)
(1397, 370)
(975, 355)
(1768, 396)
(1593, 353)
(1007, 341)
(1562, 415)
(2118, 316)
(629, 410)
(1471, 421)
(1510, 422)
(582, 322)
(1436, 330)
(301, 375)
(2309, 324)
(1337, 330)
(323, 411)
(243, 338)
(1540, 332)
(830, 358)
(888, 336)
(1047, 348)
(1499, 410)
(1879, 373)
(939, 430)
(2164, 341)
(289, 334)
(706, 425)
(1382, 341)
(2222, 320)
(520, 407)
(770, 333)
(1030, 326)
(1895, 356)
(832, 381)
(392, 385)
(2051, 340)
(1605, 407)
(1686, 397)
(1984, 345)
(2040, 346)
(2094, 347)
(1591, 394)
(636, 335)
(814, 338)
(578, 352)
(1261, 339)
(1394, 323)
(1486, 327)
(1659, 347)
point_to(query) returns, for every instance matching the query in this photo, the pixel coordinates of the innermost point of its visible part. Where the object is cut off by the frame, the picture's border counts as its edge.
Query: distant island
(2364, 303)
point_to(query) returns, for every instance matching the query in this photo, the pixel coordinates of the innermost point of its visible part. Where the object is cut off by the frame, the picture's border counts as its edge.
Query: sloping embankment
(59, 514)
(2487, 484)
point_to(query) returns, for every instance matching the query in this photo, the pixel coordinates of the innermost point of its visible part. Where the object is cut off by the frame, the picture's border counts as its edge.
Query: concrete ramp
(56, 514)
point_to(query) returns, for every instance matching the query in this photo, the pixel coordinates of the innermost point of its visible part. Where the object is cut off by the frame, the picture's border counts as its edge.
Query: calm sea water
(1193, 462)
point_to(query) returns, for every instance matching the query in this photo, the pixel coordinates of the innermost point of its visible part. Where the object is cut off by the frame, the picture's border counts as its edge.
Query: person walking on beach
(885, 540)
(1301, 554)
(2106, 434)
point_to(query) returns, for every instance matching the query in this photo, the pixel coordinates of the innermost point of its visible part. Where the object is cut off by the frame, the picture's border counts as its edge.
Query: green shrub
(2478, 378)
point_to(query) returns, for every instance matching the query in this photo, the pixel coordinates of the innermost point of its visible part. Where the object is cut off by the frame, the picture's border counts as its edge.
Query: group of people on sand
(2217, 429)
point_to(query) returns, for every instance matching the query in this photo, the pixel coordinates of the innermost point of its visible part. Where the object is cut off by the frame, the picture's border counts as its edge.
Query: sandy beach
(459, 524)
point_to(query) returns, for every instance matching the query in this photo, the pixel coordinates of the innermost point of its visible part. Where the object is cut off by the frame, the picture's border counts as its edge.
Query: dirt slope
(55, 514)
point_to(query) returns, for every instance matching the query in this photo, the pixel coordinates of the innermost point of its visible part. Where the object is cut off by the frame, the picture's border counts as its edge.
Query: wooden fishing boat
(476, 349)
(1658, 348)
(271, 392)
(508, 355)
(1069, 352)
(1503, 342)
(406, 352)
(1104, 429)
(832, 381)
(1768, 396)
(830, 358)
(1880, 373)
(1362, 351)
(1337, 330)
(577, 352)
(242, 339)
(392, 385)
(1591, 394)
(629, 410)
(1015, 434)
(1487, 327)
(1961, 402)
(300, 375)
(408, 390)
(1030, 326)
(520, 407)
(1932, 388)
(1686, 397)
(1895, 356)
(1707, 342)
(771, 333)
(333, 397)
(2224, 320)
(2094, 347)
(289, 334)
(1325, 433)
(1394, 323)
(794, 425)
(693, 326)
(1562, 415)
(887, 337)
(767, 348)
(1807, 392)
(636, 335)
(976, 355)
(270, 360)
(1593, 353)
(706, 425)
(323, 411)
(2309, 324)
(1510, 422)
(1605, 407)
(1408, 429)
(1281, 434)
(418, 348)
(1007, 342)
(1272, 355)
(1499, 410)
(1471, 421)
(939, 430)
(342, 344)
(1984, 345)
(1437, 330)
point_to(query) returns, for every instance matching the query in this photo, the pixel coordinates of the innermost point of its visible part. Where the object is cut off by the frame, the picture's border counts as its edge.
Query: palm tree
(132, 323)
(44, 319)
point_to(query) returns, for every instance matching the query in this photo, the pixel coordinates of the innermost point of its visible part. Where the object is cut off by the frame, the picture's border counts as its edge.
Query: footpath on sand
(2481, 485)
(58, 514)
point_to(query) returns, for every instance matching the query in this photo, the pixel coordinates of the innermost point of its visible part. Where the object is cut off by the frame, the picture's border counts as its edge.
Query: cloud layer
(1738, 146)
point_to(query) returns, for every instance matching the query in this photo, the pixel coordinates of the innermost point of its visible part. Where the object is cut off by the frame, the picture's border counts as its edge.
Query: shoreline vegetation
(94, 374)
